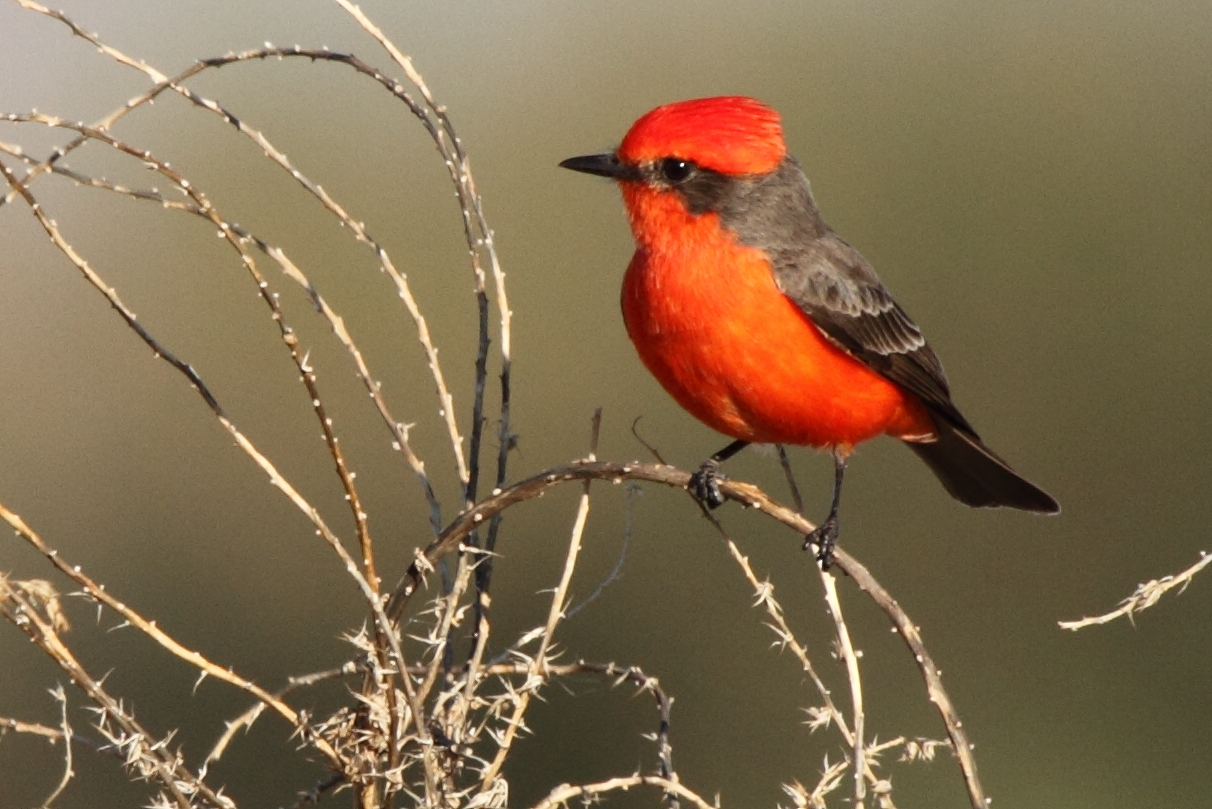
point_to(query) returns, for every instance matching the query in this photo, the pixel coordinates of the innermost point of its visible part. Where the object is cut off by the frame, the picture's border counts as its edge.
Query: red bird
(767, 325)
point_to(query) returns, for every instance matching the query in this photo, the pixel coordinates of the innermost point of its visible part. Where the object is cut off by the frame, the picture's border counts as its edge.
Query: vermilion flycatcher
(763, 322)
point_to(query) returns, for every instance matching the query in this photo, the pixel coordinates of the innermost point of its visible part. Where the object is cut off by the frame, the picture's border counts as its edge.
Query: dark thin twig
(313, 795)
(616, 573)
(785, 462)
(636, 432)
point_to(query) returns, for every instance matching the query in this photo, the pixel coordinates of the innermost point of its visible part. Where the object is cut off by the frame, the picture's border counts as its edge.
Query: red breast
(706, 316)
(708, 321)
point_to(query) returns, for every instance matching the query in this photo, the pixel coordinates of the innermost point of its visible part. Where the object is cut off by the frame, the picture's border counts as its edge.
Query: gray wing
(839, 291)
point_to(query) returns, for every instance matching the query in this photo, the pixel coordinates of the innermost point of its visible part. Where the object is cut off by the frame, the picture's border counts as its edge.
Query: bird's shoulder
(839, 291)
(831, 282)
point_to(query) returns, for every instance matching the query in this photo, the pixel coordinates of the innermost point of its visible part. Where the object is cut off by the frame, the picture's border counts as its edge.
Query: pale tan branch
(150, 628)
(561, 795)
(68, 772)
(245, 720)
(850, 657)
(1145, 596)
(143, 754)
(8, 723)
(745, 494)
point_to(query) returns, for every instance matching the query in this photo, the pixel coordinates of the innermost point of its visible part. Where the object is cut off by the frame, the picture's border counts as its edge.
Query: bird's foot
(704, 484)
(825, 540)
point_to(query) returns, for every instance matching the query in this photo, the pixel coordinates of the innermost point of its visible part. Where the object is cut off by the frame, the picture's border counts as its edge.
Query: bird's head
(682, 160)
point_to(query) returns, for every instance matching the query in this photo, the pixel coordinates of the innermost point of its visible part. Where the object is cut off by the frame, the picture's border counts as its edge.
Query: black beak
(603, 165)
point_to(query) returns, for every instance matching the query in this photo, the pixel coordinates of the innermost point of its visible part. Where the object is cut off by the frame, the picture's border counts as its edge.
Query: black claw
(825, 540)
(704, 484)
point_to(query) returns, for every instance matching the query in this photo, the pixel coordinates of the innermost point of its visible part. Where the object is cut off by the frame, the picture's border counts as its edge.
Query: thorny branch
(98, 593)
(554, 615)
(846, 648)
(743, 493)
(147, 757)
(448, 716)
(1145, 596)
(369, 591)
(829, 713)
(470, 201)
(245, 720)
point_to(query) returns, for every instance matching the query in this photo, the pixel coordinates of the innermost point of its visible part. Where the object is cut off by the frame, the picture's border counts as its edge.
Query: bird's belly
(744, 360)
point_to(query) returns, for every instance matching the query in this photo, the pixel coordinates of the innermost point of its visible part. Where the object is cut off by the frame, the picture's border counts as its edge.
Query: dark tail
(976, 476)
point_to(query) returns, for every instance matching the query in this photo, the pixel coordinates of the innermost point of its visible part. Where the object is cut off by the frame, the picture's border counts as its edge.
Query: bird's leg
(825, 536)
(704, 484)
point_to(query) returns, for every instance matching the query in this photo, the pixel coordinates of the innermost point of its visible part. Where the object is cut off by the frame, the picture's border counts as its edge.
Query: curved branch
(747, 495)
(564, 794)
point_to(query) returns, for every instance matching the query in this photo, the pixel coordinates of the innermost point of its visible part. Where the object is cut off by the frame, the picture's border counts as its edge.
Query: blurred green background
(1032, 180)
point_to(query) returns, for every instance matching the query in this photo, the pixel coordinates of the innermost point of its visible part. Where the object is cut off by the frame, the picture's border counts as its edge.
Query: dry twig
(145, 756)
(414, 730)
(1145, 596)
(745, 494)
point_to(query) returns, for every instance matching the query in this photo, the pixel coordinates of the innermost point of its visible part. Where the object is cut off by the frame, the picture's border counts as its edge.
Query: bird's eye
(674, 170)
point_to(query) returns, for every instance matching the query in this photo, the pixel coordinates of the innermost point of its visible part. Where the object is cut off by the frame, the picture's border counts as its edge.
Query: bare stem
(565, 793)
(554, 614)
(152, 630)
(743, 493)
(68, 773)
(1145, 596)
(856, 684)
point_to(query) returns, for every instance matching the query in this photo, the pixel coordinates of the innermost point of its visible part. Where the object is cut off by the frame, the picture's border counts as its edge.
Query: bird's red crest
(729, 134)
